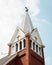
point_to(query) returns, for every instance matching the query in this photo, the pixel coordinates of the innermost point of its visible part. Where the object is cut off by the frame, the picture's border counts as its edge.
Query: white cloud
(48, 60)
(11, 13)
(45, 21)
(39, 22)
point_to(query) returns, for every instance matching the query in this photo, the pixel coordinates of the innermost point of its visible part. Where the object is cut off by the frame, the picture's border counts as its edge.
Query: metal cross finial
(26, 9)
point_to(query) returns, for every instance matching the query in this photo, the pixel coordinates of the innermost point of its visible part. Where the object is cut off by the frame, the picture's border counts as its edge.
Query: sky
(11, 15)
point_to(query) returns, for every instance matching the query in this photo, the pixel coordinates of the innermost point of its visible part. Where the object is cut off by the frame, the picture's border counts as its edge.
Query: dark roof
(3, 60)
(6, 58)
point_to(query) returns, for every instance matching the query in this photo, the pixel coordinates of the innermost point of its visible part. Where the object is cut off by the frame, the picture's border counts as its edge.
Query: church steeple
(26, 24)
(25, 47)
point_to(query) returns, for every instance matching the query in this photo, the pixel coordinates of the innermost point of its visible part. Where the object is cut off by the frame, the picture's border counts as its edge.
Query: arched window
(33, 45)
(16, 47)
(40, 50)
(30, 43)
(20, 45)
(24, 43)
(37, 48)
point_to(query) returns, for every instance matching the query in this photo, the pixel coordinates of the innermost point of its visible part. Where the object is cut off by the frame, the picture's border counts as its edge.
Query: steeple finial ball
(26, 9)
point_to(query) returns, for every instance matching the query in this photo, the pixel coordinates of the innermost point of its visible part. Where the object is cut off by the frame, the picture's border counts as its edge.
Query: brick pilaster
(9, 52)
(28, 49)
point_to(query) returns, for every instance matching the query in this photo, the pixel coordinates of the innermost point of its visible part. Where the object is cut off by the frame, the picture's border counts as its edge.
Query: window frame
(24, 45)
(40, 51)
(33, 45)
(30, 43)
(20, 45)
(36, 48)
(16, 47)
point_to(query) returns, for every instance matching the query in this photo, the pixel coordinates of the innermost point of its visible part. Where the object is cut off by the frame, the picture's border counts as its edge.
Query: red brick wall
(20, 59)
(36, 59)
(27, 56)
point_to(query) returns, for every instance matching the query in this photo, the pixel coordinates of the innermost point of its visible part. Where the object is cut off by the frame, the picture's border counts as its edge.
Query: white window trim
(18, 47)
(22, 44)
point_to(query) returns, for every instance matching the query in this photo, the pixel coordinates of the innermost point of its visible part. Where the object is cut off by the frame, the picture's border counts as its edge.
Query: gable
(35, 35)
(18, 34)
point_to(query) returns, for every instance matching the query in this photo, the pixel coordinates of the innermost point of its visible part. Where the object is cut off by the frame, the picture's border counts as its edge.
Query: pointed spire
(26, 24)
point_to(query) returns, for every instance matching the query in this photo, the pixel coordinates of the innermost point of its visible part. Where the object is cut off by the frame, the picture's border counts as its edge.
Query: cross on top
(26, 9)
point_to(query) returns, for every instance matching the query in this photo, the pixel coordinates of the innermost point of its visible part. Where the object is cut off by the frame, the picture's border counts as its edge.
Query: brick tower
(26, 47)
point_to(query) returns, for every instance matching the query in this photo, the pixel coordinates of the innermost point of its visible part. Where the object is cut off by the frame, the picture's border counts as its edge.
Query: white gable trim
(38, 36)
(36, 41)
(14, 35)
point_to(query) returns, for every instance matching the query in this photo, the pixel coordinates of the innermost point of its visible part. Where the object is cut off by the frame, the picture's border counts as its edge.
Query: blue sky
(46, 12)
(46, 29)
(11, 15)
